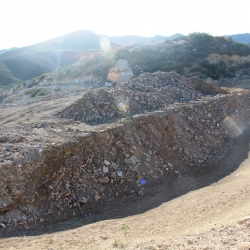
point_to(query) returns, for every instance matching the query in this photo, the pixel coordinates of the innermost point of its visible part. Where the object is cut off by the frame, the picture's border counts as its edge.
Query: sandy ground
(205, 218)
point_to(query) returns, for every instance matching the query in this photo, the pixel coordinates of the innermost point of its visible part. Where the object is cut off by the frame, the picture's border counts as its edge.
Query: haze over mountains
(34, 60)
(31, 61)
(129, 40)
(241, 38)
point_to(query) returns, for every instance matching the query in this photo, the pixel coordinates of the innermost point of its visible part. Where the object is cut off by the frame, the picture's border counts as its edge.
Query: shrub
(34, 92)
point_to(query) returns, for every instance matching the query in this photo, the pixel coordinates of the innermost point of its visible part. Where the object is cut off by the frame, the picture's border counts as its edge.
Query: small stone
(41, 220)
(160, 170)
(113, 175)
(83, 200)
(67, 194)
(2, 225)
(133, 159)
(50, 188)
(177, 172)
(170, 165)
(107, 163)
(105, 169)
(140, 193)
(119, 173)
(74, 204)
(113, 165)
(97, 197)
(103, 180)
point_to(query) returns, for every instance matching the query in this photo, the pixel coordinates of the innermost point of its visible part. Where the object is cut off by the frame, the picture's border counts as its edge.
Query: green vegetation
(6, 76)
(41, 77)
(186, 55)
(34, 92)
(125, 228)
(189, 55)
(8, 100)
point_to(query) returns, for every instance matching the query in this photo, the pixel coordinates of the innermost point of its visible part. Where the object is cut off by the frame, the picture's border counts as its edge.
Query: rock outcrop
(120, 73)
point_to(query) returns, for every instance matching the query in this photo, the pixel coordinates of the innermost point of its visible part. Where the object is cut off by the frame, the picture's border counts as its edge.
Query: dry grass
(229, 60)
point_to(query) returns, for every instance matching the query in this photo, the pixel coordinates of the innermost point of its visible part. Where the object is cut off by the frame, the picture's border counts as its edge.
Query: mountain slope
(6, 50)
(6, 77)
(27, 62)
(198, 54)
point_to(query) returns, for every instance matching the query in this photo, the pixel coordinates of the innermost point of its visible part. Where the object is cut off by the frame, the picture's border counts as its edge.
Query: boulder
(122, 65)
(113, 75)
(120, 73)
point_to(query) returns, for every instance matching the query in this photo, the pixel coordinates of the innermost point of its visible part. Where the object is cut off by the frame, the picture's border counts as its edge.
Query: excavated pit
(86, 167)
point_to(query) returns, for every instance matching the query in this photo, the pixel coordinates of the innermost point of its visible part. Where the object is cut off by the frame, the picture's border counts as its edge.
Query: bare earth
(202, 210)
(202, 219)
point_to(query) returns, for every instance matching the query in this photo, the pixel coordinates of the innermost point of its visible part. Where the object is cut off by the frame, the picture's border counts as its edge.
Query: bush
(41, 77)
(34, 92)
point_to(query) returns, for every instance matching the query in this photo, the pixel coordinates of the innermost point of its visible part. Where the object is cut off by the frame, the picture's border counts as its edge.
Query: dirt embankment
(90, 167)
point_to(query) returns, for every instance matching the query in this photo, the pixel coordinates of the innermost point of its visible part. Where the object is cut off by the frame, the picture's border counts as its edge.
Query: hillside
(6, 77)
(31, 61)
(197, 54)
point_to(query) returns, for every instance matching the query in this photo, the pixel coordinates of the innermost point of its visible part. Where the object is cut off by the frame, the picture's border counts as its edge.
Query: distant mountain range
(6, 50)
(130, 40)
(241, 38)
(31, 61)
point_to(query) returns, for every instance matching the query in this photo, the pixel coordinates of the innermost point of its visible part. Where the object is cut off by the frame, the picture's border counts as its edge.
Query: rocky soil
(146, 93)
(65, 157)
(177, 214)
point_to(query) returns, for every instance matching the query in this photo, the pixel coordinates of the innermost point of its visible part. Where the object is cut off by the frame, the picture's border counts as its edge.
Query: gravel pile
(147, 92)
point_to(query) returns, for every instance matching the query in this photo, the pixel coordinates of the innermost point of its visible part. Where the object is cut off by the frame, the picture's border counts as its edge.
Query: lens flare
(122, 104)
(105, 43)
(123, 107)
(236, 128)
(143, 181)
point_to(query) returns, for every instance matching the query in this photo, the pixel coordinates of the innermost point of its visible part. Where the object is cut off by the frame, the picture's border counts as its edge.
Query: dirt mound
(89, 167)
(206, 87)
(147, 92)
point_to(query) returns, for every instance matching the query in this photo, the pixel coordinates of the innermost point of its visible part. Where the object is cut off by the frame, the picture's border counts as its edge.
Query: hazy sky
(25, 22)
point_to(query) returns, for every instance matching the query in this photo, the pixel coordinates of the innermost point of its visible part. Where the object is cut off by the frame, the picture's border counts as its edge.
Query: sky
(27, 22)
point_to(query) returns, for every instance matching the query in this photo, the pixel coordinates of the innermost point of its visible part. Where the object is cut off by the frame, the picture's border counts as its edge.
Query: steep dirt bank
(58, 168)
(207, 218)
